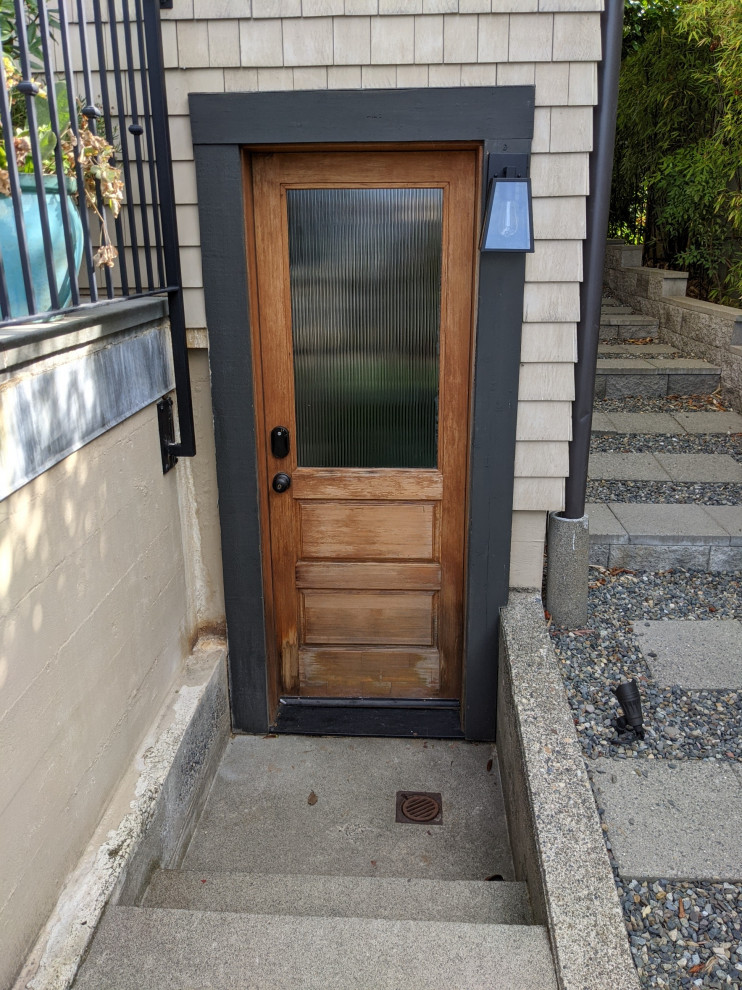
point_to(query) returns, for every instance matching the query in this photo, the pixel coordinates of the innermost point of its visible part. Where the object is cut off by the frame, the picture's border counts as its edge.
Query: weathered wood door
(363, 275)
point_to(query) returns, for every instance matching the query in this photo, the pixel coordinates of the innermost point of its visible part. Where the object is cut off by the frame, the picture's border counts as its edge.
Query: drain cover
(419, 808)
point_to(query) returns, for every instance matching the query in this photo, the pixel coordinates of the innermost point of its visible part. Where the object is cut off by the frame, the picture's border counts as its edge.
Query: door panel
(364, 265)
(367, 530)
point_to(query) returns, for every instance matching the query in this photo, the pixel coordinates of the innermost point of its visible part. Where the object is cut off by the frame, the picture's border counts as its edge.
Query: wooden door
(363, 269)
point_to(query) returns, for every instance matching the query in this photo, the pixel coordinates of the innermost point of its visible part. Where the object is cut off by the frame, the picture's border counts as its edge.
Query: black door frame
(501, 120)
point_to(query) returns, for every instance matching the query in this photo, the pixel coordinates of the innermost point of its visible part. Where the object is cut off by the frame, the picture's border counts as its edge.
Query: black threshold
(396, 718)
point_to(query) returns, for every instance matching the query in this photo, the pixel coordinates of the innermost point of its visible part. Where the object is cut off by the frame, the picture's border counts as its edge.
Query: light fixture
(508, 221)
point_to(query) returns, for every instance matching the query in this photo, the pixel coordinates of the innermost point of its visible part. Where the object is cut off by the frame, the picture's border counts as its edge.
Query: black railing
(87, 207)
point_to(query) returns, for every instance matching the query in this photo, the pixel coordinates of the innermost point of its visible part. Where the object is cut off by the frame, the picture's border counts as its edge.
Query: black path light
(627, 695)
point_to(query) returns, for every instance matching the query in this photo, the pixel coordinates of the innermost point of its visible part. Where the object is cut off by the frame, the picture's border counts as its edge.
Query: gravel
(664, 492)
(686, 443)
(669, 403)
(696, 945)
(700, 944)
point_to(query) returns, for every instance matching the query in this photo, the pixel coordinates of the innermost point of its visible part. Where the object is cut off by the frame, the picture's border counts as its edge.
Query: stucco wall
(233, 45)
(93, 627)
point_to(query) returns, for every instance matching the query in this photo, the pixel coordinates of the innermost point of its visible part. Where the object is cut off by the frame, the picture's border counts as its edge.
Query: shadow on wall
(93, 627)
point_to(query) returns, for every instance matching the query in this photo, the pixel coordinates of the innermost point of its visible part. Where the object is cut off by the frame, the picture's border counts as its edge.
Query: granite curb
(556, 835)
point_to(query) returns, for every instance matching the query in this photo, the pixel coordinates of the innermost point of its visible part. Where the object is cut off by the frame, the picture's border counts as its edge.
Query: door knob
(281, 483)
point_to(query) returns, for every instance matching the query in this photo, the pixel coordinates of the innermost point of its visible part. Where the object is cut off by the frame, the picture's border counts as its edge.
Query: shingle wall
(233, 45)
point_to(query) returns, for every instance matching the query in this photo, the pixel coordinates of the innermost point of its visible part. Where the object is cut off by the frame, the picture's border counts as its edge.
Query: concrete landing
(258, 820)
(142, 949)
(650, 536)
(681, 822)
(695, 655)
(473, 901)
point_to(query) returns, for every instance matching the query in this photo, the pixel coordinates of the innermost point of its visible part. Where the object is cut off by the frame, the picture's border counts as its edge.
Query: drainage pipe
(569, 537)
(593, 253)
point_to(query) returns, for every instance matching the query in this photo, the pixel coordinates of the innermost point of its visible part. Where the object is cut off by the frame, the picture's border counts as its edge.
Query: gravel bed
(700, 943)
(685, 443)
(669, 403)
(664, 492)
(680, 724)
(696, 945)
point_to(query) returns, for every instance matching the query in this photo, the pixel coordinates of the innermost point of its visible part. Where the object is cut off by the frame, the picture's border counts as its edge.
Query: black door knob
(281, 483)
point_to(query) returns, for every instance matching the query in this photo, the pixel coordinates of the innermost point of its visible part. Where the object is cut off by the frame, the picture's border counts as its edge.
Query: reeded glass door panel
(365, 280)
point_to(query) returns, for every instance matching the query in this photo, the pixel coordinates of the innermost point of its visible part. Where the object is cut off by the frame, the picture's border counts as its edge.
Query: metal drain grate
(419, 808)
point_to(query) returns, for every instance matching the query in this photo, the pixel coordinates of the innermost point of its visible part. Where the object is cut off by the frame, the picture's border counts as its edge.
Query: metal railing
(87, 206)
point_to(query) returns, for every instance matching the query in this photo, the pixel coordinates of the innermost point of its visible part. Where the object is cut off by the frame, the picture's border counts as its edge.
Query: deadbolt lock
(281, 483)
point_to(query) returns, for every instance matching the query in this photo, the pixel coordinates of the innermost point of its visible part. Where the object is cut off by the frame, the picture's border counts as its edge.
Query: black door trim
(499, 118)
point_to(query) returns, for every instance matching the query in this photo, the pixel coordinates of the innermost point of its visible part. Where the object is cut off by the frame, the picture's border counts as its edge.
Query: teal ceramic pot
(32, 220)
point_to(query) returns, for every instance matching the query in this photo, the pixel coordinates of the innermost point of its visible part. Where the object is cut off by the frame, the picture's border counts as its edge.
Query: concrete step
(614, 308)
(470, 901)
(654, 537)
(668, 423)
(645, 351)
(159, 949)
(654, 377)
(628, 326)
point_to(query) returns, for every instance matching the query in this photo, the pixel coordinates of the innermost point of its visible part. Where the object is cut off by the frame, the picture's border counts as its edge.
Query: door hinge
(166, 424)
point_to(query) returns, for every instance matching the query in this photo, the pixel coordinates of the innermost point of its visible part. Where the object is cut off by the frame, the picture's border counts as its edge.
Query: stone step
(654, 377)
(614, 309)
(470, 901)
(644, 351)
(161, 949)
(686, 468)
(628, 326)
(654, 537)
(668, 423)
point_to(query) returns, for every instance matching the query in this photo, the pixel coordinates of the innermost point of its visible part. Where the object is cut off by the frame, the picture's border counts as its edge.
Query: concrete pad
(684, 366)
(677, 525)
(615, 366)
(729, 517)
(709, 422)
(602, 423)
(681, 822)
(470, 901)
(695, 655)
(142, 949)
(646, 422)
(603, 523)
(711, 468)
(257, 818)
(627, 467)
(640, 557)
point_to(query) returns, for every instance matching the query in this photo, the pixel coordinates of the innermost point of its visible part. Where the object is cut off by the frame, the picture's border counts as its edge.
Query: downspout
(568, 530)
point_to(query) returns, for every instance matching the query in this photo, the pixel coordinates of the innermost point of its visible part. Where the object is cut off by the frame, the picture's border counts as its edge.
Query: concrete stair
(386, 898)
(166, 949)
(649, 369)
(340, 916)
(658, 535)
(619, 323)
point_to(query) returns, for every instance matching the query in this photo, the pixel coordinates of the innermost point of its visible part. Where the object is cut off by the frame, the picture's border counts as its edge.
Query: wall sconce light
(508, 220)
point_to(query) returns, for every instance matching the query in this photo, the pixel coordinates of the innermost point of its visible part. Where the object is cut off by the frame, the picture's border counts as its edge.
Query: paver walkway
(665, 481)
